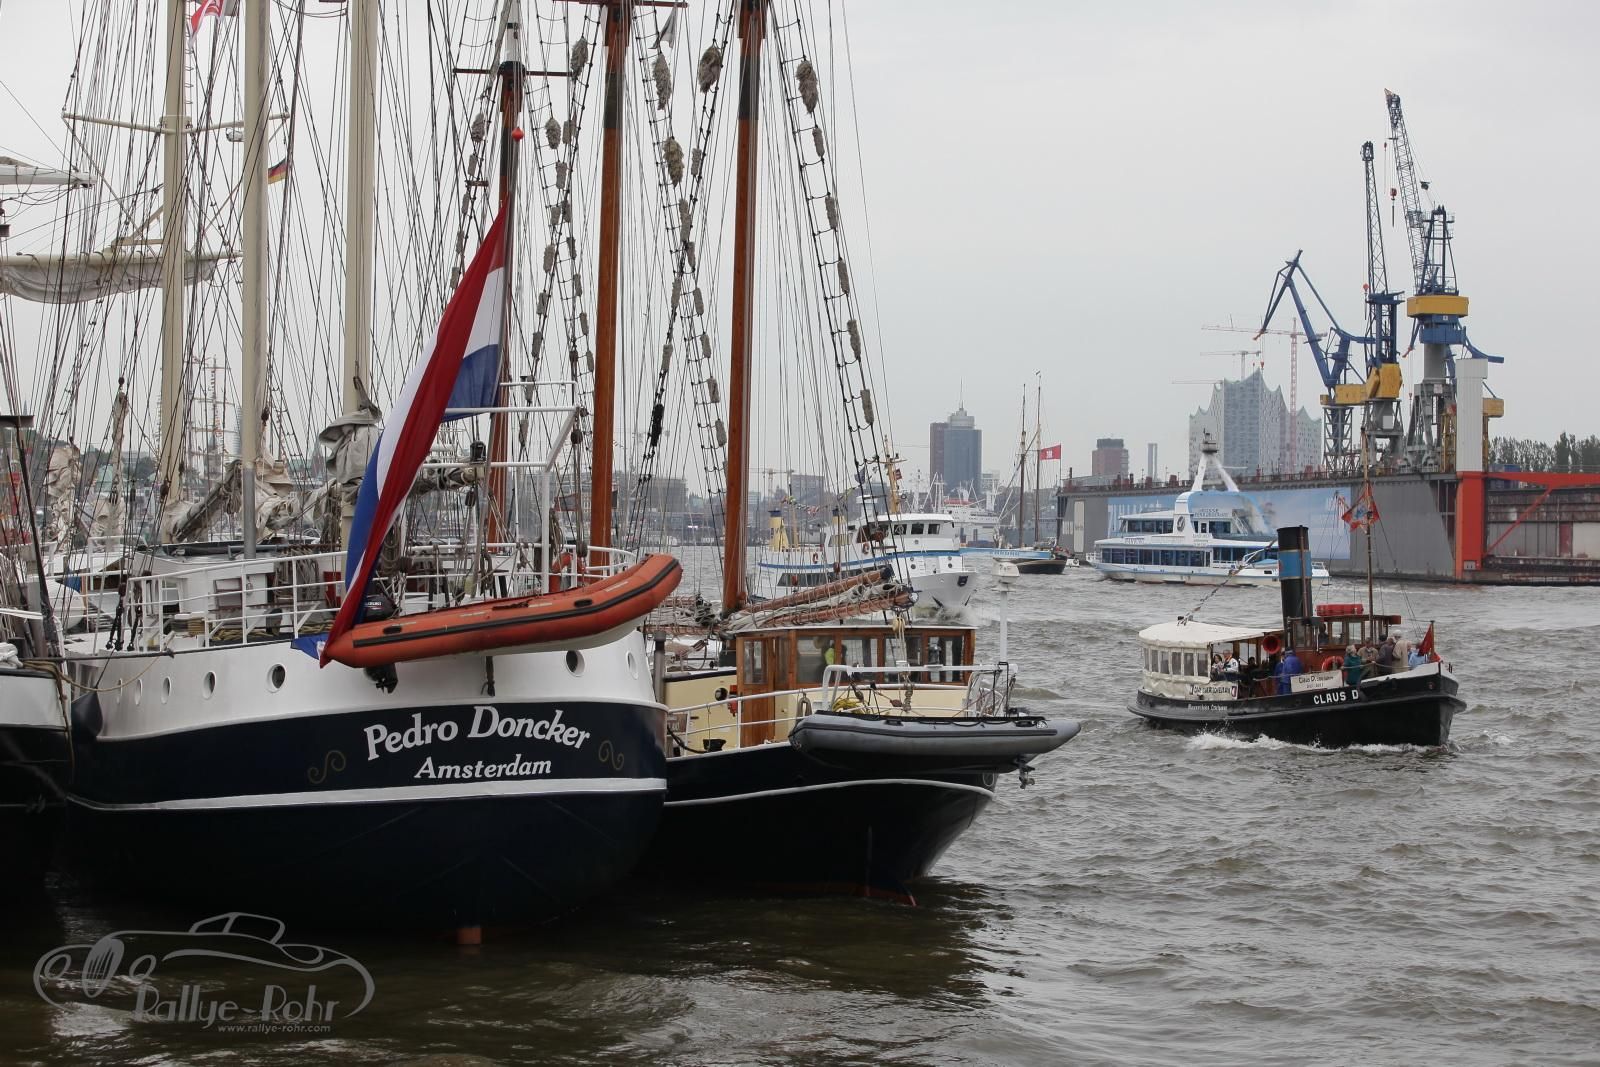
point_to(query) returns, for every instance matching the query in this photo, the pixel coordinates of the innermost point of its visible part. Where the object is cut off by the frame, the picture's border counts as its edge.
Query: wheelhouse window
(753, 665)
(916, 529)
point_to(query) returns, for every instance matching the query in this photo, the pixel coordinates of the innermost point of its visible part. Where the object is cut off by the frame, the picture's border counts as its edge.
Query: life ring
(1271, 645)
(1332, 663)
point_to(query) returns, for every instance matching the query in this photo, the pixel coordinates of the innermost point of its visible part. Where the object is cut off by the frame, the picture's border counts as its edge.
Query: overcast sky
(1077, 188)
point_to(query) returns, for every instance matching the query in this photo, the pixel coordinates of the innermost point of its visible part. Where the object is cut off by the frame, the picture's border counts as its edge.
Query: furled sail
(16, 174)
(83, 276)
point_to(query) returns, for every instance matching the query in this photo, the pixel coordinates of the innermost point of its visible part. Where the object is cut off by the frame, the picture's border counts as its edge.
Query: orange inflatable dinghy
(551, 619)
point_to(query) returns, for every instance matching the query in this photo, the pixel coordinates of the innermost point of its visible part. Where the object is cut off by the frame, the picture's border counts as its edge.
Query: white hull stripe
(762, 794)
(396, 794)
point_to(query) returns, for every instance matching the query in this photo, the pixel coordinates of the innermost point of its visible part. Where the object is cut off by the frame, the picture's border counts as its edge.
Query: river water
(1152, 898)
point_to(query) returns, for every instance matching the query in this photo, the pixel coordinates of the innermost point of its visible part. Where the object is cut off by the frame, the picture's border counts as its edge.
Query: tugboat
(1316, 692)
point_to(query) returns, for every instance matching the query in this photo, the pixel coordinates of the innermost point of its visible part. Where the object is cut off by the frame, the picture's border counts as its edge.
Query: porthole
(138, 690)
(633, 665)
(575, 661)
(166, 690)
(208, 684)
(275, 677)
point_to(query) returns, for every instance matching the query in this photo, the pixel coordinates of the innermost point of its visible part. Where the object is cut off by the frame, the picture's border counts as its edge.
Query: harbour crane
(1436, 306)
(1381, 424)
(1342, 381)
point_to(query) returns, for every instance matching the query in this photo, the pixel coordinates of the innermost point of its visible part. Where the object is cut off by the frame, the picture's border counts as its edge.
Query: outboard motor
(1294, 582)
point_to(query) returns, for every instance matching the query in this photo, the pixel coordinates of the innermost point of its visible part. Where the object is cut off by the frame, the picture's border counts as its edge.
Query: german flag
(278, 171)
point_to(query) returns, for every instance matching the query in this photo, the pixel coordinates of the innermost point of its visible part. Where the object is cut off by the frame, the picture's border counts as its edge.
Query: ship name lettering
(488, 722)
(414, 736)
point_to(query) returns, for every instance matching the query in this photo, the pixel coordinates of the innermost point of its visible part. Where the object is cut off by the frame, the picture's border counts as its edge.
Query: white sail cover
(16, 174)
(82, 276)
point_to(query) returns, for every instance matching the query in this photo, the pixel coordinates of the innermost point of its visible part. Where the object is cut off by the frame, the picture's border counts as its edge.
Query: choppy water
(1152, 899)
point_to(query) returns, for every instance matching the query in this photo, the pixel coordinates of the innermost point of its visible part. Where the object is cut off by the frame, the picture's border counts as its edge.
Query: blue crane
(1436, 305)
(1342, 380)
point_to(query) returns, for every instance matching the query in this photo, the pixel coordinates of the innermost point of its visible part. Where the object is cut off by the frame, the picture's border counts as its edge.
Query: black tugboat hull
(776, 818)
(309, 817)
(1403, 710)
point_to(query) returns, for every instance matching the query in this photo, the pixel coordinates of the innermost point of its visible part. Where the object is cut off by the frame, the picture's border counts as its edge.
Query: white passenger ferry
(1209, 537)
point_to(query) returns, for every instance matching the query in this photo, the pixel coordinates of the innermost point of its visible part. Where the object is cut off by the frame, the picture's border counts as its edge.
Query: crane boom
(1405, 167)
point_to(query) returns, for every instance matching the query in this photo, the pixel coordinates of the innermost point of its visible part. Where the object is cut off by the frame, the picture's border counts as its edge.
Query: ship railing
(987, 693)
(281, 596)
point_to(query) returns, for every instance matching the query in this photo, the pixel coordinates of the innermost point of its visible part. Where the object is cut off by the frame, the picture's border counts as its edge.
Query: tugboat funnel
(1294, 574)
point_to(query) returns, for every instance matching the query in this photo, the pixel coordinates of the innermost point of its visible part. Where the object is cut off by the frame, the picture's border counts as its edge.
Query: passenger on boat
(1386, 656)
(1352, 666)
(1288, 668)
(1216, 666)
(1417, 658)
(1230, 668)
(1263, 678)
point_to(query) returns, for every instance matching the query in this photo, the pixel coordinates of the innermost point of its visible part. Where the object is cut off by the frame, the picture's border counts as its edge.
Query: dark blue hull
(775, 818)
(386, 817)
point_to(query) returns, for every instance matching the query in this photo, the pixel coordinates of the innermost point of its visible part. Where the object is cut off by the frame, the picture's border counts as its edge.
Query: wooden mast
(253, 363)
(752, 31)
(511, 77)
(174, 377)
(619, 24)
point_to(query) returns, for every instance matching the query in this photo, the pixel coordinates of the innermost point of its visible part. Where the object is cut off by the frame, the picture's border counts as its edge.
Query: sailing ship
(236, 740)
(834, 745)
(1207, 537)
(1042, 558)
(1311, 686)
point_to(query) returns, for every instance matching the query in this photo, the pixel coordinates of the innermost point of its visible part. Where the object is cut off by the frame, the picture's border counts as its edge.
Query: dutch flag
(463, 371)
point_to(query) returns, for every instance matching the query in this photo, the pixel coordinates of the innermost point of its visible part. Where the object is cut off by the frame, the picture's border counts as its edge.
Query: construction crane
(1344, 388)
(1291, 440)
(1243, 354)
(1436, 306)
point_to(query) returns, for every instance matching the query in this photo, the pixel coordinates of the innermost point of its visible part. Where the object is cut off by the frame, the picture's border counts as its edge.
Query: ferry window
(815, 653)
(916, 528)
(933, 528)
(1188, 663)
(899, 529)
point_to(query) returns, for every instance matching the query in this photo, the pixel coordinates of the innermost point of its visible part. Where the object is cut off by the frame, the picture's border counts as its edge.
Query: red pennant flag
(1052, 452)
(1425, 646)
